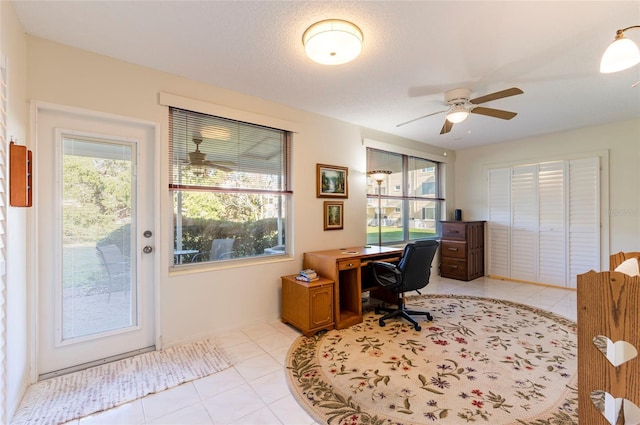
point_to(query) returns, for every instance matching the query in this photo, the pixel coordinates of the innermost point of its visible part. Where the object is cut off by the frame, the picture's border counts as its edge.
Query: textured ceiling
(413, 52)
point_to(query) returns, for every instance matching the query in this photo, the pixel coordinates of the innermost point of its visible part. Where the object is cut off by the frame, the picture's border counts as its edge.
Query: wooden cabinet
(20, 176)
(462, 250)
(307, 305)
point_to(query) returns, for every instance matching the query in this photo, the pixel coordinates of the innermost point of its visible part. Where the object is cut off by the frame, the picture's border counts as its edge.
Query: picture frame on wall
(332, 181)
(333, 215)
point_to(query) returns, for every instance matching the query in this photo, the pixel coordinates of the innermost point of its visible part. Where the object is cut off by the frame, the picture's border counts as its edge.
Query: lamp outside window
(332, 42)
(621, 54)
(379, 176)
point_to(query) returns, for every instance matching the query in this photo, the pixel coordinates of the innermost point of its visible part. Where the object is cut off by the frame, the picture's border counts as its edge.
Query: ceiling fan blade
(497, 95)
(217, 166)
(496, 113)
(419, 118)
(222, 163)
(446, 127)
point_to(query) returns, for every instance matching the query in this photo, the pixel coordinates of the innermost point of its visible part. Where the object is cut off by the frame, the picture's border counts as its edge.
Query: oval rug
(481, 360)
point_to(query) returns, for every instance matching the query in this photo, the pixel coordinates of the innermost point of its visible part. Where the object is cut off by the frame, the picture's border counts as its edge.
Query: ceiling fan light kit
(460, 106)
(457, 114)
(332, 42)
(621, 54)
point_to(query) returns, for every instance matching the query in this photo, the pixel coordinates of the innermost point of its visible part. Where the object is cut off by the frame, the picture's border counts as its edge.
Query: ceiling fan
(460, 106)
(199, 159)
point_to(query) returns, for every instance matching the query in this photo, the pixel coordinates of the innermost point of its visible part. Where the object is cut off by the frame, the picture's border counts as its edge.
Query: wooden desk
(350, 274)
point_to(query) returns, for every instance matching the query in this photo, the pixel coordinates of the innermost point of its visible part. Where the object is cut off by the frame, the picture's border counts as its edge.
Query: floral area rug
(479, 361)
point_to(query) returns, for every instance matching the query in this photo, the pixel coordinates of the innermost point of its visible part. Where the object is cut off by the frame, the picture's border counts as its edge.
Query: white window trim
(388, 147)
(168, 99)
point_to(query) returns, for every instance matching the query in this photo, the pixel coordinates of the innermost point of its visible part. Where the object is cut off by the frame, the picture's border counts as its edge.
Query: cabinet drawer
(348, 264)
(454, 231)
(453, 249)
(454, 269)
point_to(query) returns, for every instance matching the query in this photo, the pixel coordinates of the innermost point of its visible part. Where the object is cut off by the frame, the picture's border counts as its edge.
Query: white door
(94, 237)
(499, 222)
(584, 217)
(524, 222)
(552, 244)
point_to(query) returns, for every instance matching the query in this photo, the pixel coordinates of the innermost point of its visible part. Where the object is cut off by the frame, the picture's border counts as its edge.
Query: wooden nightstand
(307, 305)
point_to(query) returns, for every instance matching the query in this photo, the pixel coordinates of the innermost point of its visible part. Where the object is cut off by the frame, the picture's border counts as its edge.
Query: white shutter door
(552, 259)
(524, 223)
(584, 217)
(499, 221)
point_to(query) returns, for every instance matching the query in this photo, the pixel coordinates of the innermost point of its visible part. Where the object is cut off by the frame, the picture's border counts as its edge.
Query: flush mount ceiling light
(332, 42)
(457, 114)
(621, 54)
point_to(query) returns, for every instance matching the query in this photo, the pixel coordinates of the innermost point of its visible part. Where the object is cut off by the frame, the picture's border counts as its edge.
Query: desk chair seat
(411, 274)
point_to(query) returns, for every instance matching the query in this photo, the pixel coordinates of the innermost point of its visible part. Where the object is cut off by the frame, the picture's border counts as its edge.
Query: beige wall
(620, 197)
(14, 48)
(201, 303)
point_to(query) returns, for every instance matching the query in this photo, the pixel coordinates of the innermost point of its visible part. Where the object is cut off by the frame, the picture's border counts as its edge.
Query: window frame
(285, 230)
(404, 197)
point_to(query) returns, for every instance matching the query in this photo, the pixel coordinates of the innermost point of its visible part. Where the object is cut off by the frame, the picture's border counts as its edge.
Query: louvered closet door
(524, 222)
(584, 217)
(552, 259)
(499, 222)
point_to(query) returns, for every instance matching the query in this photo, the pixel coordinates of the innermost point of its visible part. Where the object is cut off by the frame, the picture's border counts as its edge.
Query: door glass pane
(98, 268)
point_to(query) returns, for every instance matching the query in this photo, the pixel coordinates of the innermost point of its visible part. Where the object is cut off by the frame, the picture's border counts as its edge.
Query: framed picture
(332, 181)
(333, 215)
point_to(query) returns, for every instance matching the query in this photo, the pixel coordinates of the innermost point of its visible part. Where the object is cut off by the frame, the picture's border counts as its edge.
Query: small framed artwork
(332, 181)
(333, 215)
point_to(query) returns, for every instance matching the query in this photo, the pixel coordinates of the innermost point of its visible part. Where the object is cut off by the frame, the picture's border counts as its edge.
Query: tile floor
(254, 391)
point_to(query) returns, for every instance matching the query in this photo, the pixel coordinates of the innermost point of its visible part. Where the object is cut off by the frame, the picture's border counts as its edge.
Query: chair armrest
(385, 274)
(384, 265)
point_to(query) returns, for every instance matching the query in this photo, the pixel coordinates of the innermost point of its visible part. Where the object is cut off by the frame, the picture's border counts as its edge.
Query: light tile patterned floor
(254, 390)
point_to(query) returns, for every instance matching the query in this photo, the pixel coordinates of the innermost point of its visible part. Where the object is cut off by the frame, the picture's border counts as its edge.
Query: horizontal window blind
(217, 154)
(421, 175)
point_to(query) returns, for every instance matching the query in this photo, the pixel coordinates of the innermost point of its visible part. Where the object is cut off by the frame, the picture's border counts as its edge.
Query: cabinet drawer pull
(453, 267)
(350, 265)
(452, 249)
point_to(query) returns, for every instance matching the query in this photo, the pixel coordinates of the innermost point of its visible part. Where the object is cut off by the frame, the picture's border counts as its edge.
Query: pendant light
(621, 54)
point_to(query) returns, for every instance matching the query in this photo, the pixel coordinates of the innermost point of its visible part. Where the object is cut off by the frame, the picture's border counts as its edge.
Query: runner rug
(479, 361)
(61, 399)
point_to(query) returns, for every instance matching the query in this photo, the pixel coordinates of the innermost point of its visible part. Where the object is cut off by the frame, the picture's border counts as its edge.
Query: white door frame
(32, 222)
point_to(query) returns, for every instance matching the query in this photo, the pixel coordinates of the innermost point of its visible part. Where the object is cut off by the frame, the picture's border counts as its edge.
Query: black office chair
(411, 274)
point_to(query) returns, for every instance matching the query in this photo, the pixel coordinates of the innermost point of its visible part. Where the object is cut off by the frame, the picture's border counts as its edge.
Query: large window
(406, 204)
(230, 187)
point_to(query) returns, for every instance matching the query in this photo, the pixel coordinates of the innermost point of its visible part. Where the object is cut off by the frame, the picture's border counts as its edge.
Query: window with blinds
(230, 183)
(406, 205)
